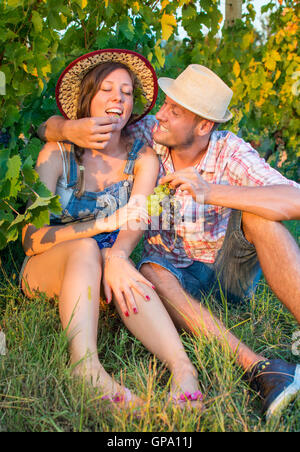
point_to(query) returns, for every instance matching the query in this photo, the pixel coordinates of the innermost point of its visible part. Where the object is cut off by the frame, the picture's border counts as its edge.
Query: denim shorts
(234, 274)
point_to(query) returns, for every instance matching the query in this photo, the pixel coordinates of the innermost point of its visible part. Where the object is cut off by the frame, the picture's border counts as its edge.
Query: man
(231, 228)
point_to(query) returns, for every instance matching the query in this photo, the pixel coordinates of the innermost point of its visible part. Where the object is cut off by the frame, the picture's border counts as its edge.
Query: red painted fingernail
(127, 314)
(147, 297)
(135, 310)
(107, 301)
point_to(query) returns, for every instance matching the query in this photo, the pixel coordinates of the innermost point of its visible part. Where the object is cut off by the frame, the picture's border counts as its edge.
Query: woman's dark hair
(89, 87)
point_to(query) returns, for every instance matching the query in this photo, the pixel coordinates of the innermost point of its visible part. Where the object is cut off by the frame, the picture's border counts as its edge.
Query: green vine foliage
(38, 38)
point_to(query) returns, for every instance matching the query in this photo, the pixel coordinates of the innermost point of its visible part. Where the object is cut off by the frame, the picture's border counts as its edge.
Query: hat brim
(166, 83)
(68, 85)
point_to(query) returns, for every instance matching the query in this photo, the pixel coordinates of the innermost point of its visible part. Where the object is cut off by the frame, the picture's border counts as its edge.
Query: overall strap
(69, 165)
(136, 147)
(64, 161)
(73, 168)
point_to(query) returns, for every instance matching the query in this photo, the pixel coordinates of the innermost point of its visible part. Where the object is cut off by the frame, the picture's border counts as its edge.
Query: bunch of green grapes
(155, 200)
(163, 201)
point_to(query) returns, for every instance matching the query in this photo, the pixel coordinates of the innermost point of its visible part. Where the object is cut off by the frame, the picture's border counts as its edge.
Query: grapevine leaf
(42, 190)
(30, 175)
(40, 217)
(4, 155)
(37, 21)
(9, 188)
(127, 28)
(3, 240)
(40, 202)
(236, 69)
(168, 24)
(189, 11)
(7, 234)
(55, 205)
(33, 148)
(14, 3)
(160, 55)
(19, 219)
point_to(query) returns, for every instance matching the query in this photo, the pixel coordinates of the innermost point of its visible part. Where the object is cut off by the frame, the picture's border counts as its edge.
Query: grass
(37, 393)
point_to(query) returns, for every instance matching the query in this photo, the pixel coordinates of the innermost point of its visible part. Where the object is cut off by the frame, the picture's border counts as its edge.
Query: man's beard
(187, 142)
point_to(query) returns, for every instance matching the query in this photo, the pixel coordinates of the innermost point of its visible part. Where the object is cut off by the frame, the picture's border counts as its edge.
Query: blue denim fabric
(234, 274)
(99, 204)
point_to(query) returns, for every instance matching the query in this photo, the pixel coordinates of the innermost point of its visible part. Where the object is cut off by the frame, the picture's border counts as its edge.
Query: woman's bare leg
(72, 271)
(153, 326)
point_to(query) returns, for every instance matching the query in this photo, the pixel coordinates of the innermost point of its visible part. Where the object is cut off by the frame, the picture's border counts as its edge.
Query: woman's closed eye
(126, 92)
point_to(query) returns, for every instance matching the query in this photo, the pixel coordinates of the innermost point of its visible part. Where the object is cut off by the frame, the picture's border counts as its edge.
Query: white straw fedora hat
(201, 91)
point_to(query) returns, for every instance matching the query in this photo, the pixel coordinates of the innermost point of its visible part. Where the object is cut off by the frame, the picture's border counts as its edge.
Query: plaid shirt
(229, 161)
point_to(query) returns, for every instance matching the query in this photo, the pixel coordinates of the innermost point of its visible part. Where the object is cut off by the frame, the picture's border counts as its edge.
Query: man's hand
(190, 182)
(93, 133)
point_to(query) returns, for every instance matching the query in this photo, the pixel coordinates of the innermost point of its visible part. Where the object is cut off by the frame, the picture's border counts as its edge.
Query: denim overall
(101, 204)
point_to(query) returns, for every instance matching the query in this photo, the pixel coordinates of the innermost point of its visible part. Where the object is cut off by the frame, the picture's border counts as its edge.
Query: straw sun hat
(68, 85)
(200, 90)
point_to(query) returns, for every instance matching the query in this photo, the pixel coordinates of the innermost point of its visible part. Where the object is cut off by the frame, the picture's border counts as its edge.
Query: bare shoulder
(147, 156)
(49, 153)
(149, 152)
(49, 164)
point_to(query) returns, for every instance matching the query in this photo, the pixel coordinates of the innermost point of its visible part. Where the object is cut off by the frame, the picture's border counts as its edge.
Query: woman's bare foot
(96, 376)
(185, 389)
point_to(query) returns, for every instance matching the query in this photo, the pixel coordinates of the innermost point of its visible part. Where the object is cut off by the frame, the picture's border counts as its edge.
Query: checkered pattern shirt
(229, 161)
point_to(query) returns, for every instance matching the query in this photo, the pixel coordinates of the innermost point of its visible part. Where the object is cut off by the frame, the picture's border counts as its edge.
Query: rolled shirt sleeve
(246, 167)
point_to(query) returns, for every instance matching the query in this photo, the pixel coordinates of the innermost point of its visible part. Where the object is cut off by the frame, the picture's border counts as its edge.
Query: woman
(66, 259)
